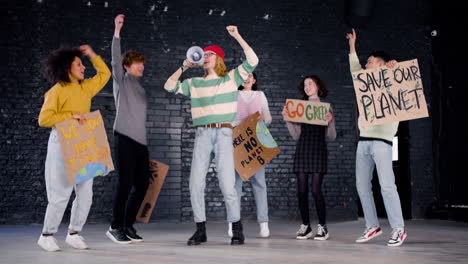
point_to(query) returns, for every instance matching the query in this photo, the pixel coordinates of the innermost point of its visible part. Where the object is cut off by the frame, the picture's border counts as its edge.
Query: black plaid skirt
(311, 150)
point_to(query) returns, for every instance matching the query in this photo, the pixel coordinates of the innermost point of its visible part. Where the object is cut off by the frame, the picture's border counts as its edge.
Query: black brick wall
(291, 38)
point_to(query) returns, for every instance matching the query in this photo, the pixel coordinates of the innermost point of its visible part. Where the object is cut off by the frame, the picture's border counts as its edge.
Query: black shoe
(132, 235)
(322, 233)
(199, 236)
(305, 232)
(237, 235)
(118, 236)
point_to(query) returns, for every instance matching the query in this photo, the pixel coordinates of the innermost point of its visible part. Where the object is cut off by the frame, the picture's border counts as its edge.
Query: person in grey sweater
(130, 140)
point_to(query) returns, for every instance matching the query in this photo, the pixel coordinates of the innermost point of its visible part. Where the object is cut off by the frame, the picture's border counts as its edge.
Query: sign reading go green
(302, 111)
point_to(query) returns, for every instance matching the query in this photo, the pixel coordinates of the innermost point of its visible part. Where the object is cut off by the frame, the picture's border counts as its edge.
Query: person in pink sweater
(250, 101)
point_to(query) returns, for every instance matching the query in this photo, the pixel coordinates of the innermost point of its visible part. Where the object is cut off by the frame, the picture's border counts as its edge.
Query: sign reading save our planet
(85, 148)
(387, 95)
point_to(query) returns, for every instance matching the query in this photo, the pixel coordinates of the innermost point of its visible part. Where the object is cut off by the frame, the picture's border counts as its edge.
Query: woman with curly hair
(69, 98)
(311, 158)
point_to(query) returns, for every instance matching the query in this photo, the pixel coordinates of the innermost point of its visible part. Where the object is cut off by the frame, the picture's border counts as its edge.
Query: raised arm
(352, 41)
(248, 66)
(354, 64)
(117, 68)
(250, 55)
(103, 74)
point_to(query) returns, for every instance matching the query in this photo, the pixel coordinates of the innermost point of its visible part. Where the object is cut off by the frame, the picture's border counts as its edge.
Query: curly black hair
(57, 65)
(322, 90)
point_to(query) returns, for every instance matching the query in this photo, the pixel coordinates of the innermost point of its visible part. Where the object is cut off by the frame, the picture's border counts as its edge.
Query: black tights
(303, 193)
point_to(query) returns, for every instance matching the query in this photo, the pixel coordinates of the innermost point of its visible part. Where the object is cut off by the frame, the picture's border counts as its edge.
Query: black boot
(199, 236)
(237, 235)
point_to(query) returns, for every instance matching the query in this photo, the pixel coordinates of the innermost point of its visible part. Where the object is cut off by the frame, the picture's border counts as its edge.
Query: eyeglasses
(209, 54)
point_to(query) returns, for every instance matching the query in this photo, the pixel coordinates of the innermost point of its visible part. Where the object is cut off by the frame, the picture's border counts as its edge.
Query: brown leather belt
(217, 125)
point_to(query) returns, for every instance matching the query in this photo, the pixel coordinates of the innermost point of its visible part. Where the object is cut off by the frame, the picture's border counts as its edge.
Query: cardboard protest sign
(302, 111)
(158, 175)
(388, 95)
(253, 145)
(85, 148)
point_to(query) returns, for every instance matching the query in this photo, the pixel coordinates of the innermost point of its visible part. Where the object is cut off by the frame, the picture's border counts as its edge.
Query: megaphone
(196, 55)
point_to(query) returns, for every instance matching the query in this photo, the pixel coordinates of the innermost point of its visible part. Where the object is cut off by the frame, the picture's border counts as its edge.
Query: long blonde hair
(219, 68)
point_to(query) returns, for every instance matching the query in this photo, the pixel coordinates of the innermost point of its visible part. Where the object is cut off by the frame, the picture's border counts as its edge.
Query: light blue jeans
(59, 191)
(219, 142)
(370, 154)
(259, 190)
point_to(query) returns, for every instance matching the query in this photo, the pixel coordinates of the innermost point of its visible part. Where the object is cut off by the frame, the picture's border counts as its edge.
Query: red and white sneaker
(369, 233)
(398, 237)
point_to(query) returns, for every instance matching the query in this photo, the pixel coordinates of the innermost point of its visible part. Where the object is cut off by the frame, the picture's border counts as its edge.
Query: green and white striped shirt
(214, 100)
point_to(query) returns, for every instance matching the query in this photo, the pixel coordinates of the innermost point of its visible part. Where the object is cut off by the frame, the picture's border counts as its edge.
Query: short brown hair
(129, 57)
(322, 91)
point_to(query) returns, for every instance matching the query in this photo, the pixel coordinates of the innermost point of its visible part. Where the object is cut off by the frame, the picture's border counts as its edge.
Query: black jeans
(133, 170)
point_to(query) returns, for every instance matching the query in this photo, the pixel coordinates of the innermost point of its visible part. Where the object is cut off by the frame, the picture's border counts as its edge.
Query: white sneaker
(230, 229)
(48, 243)
(76, 241)
(264, 230)
(398, 236)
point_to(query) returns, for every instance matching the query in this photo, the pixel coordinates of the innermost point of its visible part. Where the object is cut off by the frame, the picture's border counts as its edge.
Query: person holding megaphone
(214, 107)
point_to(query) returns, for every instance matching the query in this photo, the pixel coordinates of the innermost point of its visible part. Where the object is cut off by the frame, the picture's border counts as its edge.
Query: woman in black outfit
(311, 158)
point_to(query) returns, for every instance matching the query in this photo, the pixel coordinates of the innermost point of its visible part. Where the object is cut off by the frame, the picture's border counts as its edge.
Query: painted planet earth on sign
(263, 134)
(90, 171)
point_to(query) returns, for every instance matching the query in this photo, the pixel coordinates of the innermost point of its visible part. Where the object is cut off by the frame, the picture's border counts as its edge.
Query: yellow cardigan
(65, 99)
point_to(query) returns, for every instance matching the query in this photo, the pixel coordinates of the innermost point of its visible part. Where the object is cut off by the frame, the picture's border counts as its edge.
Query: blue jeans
(219, 142)
(370, 154)
(260, 192)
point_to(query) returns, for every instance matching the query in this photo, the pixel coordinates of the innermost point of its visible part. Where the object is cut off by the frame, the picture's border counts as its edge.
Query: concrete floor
(429, 241)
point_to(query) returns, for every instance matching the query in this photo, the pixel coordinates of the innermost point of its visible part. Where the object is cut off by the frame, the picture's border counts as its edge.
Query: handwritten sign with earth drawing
(85, 148)
(387, 95)
(254, 146)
